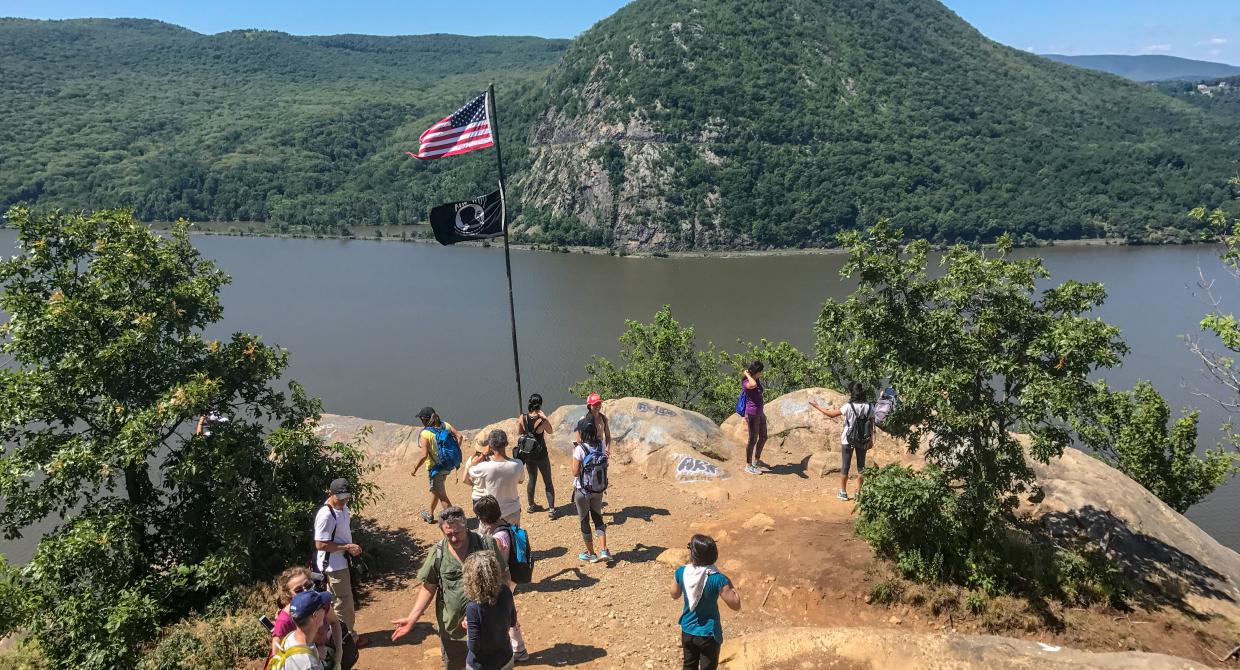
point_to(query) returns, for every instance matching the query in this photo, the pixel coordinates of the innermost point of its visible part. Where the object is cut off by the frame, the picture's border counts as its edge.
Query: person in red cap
(594, 415)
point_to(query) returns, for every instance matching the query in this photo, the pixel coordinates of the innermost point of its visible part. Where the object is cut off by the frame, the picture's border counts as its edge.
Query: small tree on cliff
(977, 353)
(109, 374)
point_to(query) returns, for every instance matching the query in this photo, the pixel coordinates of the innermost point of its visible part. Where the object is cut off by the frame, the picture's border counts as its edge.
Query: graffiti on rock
(659, 411)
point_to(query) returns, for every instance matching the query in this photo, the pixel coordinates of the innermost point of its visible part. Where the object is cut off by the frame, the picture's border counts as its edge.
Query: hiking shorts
(438, 485)
(846, 453)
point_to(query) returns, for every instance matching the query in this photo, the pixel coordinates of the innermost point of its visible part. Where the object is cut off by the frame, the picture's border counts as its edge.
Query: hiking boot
(604, 556)
(842, 495)
(587, 557)
(426, 516)
(521, 656)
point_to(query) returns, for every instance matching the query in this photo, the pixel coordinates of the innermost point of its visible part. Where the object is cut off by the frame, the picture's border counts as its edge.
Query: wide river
(380, 329)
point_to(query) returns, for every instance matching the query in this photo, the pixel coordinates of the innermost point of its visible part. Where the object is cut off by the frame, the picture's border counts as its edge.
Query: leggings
(757, 437)
(532, 468)
(589, 506)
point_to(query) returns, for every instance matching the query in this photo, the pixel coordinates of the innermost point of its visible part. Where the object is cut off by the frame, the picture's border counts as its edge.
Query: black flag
(476, 219)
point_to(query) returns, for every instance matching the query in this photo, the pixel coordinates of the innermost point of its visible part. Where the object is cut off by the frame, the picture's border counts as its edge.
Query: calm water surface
(380, 329)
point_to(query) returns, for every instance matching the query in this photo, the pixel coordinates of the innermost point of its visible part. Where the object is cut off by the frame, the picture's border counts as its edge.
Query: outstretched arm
(831, 412)
(405, 625)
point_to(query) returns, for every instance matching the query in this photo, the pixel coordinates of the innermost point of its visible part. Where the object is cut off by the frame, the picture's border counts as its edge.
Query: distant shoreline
(221, 231)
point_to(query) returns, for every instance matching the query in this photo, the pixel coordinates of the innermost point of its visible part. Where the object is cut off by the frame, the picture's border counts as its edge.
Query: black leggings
(532, 468)
(701, 653)
(757, 437)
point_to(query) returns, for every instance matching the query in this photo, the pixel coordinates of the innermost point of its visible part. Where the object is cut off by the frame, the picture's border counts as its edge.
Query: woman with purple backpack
(755, 418)
(589, 483)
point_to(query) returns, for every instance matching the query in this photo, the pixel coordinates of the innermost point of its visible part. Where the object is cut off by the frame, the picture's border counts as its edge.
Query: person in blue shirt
(701, 586)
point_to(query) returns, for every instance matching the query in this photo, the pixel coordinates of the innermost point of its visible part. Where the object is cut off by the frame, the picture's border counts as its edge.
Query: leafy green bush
(907, 517)
(220, 643)
(1129, 430)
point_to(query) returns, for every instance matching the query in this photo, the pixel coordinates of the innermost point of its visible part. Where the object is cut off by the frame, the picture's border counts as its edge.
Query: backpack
(886, 403)
(278, 660)
(861, 430)
(593, 477)
(449, 450)
(520, 557)
(740, 402)
(528, 447)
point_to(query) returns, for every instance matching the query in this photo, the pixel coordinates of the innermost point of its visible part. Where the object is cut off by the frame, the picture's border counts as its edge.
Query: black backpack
(529, 448)
(861, 430)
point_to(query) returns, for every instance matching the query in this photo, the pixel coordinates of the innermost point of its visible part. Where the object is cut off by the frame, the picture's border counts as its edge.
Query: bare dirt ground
(784, 540)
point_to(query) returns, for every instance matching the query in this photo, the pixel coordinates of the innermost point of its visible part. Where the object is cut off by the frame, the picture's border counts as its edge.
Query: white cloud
(1158, 49)
(1214, 42)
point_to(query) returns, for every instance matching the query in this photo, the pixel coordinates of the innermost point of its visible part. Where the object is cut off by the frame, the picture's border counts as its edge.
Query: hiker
(490, 524)
(701, 585)
(589, 483)
(333, 541)
(437, 438)
(594, 415)
(533, 452)
(492, 473)
(857, 435)
(297, 650)
(489, 614)
(298, 580)
(755, 418)
(442, 579)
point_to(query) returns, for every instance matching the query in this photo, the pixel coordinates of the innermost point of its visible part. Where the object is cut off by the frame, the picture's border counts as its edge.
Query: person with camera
(492, 473)
(293, 581)
(333, 540)
(533, 428)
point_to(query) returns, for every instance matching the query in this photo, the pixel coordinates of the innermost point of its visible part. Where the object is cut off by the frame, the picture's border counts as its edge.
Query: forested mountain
(1150, 67)
(1218, 96)
(244, 125)
(673, 124)
(739, 123)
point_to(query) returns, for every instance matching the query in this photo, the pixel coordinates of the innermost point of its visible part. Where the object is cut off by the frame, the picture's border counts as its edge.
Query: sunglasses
(307, 585)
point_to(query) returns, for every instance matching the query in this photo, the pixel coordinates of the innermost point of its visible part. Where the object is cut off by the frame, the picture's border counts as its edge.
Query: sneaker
(531, 509)
(588, 557)
(752, 470)
(521, 656)
(842, 495)
(426, 516)
(604, 556)
(553, 515)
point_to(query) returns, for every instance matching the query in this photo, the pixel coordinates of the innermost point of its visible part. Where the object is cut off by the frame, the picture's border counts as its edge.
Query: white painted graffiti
(659, 411)
(693, 469)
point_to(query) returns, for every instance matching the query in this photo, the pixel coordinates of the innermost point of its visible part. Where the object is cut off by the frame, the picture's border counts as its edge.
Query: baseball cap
(306, 603)
(339, 486)
(594, 399)
(426, 413)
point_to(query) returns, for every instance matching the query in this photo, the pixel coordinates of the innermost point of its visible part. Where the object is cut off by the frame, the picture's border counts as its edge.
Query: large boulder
(899, 650)
(660, 440)
(797, 432)
(1081, 495)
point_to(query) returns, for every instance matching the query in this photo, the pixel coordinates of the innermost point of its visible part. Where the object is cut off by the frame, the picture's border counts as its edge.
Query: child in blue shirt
(701, 586)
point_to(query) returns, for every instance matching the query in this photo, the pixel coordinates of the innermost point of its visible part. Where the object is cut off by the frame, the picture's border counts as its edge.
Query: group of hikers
(471, 576)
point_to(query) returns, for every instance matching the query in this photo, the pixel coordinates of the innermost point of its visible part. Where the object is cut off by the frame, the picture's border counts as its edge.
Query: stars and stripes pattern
(468, 129)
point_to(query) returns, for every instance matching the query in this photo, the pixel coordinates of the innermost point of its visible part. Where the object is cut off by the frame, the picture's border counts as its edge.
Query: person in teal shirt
(701, 586)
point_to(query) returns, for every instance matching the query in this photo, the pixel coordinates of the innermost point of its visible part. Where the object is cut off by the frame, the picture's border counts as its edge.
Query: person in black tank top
(536, 423)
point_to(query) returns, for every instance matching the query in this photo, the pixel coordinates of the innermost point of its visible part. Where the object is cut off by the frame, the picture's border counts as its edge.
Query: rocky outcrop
(798, 432)
(660, 440)
(1148, 539)
(873, 648)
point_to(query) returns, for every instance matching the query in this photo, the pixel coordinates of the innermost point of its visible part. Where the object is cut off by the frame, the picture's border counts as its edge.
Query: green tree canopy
(110, 373)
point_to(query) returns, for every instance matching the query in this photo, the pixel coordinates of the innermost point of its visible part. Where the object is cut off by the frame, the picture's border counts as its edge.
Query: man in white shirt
(333, 537)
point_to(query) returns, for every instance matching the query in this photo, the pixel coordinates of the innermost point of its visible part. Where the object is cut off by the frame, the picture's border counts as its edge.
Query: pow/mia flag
(476, 219)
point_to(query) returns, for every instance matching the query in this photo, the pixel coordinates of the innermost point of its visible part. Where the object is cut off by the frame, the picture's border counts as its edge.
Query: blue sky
(1204, 29)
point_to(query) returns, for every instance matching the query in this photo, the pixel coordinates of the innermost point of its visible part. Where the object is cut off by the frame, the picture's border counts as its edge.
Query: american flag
(466, 130)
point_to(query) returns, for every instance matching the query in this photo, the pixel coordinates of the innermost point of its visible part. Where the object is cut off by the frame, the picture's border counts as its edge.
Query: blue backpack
(740, 402)
(520, 558)
(449, 450)
(593, 478)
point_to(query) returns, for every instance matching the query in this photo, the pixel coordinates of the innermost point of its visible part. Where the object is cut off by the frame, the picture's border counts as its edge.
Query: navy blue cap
(306, 603)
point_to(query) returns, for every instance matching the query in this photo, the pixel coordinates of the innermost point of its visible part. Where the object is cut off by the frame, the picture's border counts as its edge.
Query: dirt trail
(784, 539)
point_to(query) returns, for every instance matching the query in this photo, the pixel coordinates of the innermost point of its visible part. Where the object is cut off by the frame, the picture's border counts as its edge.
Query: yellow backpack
(277, 661)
